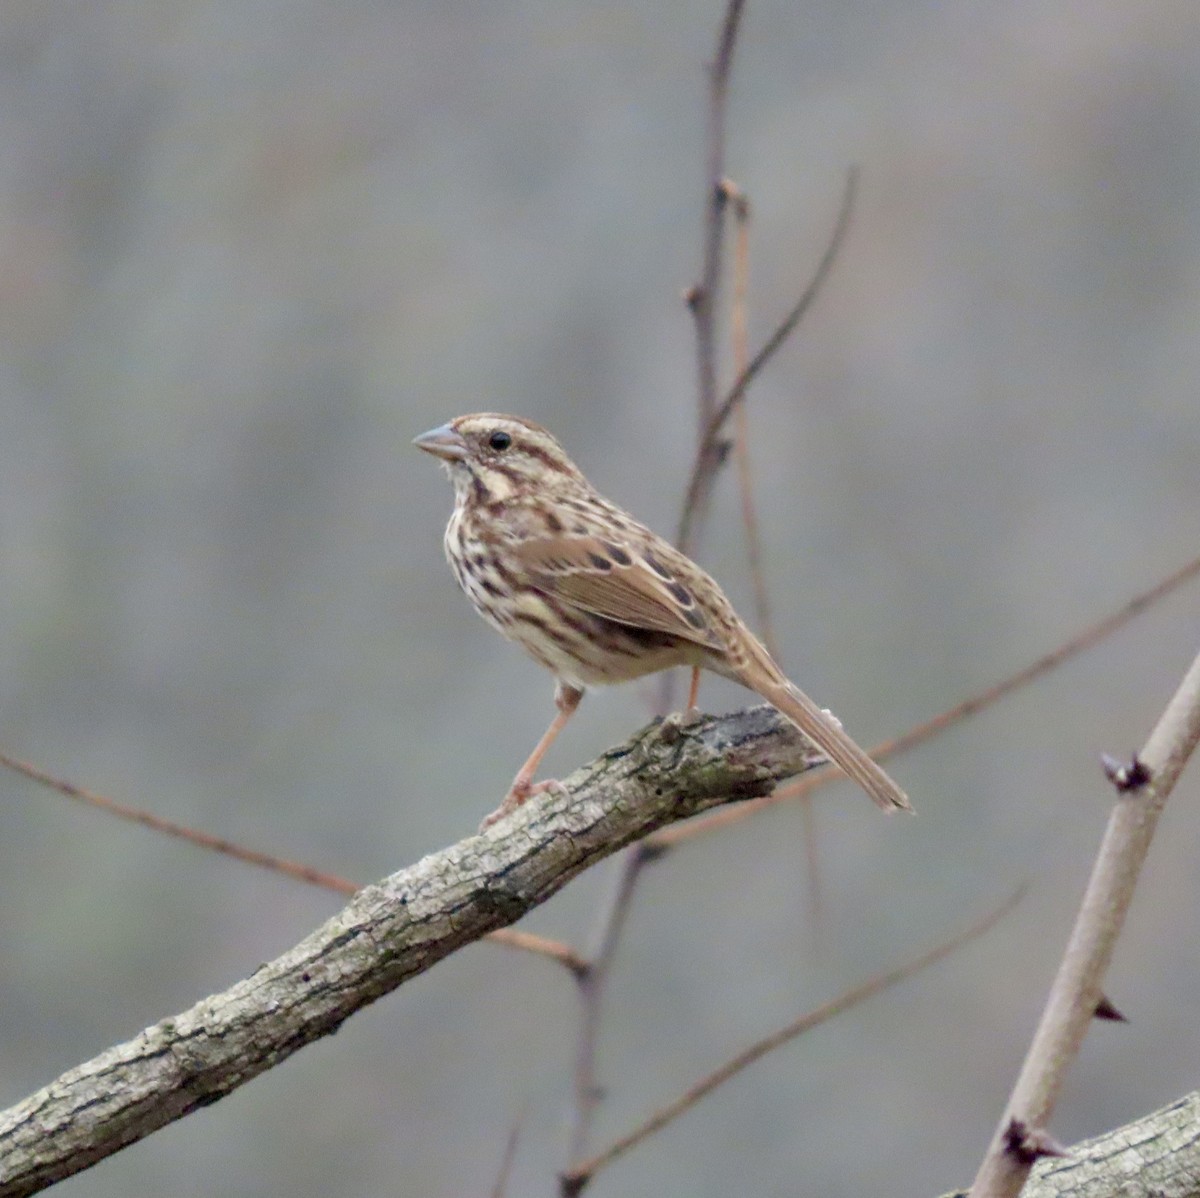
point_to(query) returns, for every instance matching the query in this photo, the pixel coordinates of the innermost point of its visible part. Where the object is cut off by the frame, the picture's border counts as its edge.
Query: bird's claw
(673, 726)
(519, 793)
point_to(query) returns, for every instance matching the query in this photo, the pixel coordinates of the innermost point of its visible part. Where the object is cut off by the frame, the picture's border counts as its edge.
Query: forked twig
(573, 1182)
(739, 336)
(500, 1189)
(1143, 786)
(593, 982)
(740, 206)
(709, 454)
(528, 942)
(1092, 635)
(702, 299)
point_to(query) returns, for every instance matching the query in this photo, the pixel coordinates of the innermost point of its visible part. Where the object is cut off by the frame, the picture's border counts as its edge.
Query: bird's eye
(499, 440)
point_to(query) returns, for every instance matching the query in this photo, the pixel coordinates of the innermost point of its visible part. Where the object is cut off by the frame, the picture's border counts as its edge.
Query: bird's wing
(634, 586)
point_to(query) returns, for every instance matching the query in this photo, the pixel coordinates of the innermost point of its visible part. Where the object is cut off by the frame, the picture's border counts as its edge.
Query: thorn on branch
(1126, 776)
(1106, 1010)
(1028, 1144)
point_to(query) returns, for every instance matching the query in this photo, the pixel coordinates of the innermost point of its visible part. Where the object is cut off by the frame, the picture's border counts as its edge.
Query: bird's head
(492, 456)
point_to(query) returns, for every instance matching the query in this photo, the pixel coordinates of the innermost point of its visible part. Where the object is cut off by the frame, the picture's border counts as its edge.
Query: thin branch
(709, 454)
(1077, 989)
(541, 946)
(741, 442)
(388, 933)
(573, 1183)
(204, 840)
(500, 1189)
(1092, 635)
(703, 297)
(740, 205)
(593, 982)
(527, 942)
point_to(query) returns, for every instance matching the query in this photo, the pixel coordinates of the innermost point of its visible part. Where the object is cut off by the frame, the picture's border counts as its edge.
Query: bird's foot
(520, 791)
(673, 726)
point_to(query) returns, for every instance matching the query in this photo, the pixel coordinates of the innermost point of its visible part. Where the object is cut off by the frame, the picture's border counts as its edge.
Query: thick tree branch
(388, 933)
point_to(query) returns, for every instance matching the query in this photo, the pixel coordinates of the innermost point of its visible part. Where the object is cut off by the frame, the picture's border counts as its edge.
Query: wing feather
(617, 582)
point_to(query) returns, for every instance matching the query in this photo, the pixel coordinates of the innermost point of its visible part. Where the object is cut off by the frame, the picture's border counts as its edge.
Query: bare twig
(540, 946)
(1092, 635)
(703, 297)
(572, 1183)
(500, 1189)
(703, 302)
(528, 942)
(1076, 991)
(592, 984)
(204, 840)
(709, 454)
(740, 207)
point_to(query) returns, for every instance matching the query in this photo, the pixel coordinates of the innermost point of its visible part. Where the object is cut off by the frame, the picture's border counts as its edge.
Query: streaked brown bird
(593, 595)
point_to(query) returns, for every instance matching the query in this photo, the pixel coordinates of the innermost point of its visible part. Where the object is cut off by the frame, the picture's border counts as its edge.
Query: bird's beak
(443, 442)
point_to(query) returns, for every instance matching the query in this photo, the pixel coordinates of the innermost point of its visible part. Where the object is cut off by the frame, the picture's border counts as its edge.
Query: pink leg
(693, 691)
(566, 699)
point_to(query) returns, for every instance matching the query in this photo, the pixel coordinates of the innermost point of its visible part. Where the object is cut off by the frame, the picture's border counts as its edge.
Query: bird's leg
(675, 722)
(566, 699)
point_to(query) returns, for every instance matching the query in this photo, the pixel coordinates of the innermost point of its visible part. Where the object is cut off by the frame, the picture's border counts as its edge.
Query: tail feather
(822, 729)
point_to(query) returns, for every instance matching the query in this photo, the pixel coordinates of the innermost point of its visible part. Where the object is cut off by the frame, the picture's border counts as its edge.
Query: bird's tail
(821, 728)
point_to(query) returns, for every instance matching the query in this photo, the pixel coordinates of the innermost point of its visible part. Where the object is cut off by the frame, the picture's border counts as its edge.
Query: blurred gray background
(249, 249)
